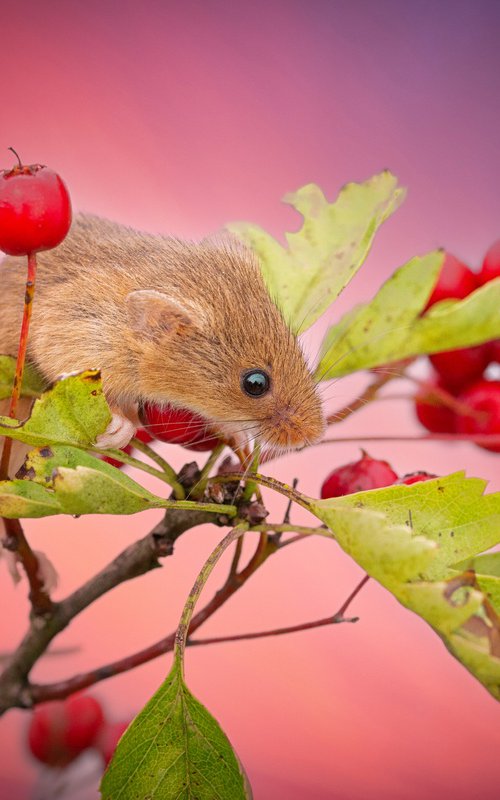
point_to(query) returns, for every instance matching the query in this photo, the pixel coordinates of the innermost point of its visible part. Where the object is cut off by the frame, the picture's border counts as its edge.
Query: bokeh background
(179, 117)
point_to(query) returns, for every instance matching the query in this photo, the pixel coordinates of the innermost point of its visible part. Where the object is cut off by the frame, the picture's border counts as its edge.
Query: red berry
(179, 426)
(113, 461)
(495, 350)
(358, 476)
(143, 436)
(35, 209)
(432, 414)
(457, 368)
(484, 398)
(108, 738)
(455, 281)
(491, 264)
(415, 477)
(61, 730)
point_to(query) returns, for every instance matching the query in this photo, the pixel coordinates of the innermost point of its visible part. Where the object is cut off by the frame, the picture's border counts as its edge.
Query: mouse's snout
(295, 424)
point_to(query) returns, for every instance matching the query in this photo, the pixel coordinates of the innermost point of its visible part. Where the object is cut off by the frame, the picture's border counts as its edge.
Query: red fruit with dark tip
(59, 731)
(457, 368)
(358, 476)
(108, 738)
(484, 399)
(432, 414)
(455, 281)
(179, 426)
(491, 264)
(415, 477)
(35, 209)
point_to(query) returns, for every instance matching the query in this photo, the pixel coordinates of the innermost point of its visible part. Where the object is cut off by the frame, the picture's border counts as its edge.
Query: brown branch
(337, 618)
(16, 542)
(55, 691)
(367, 396)
(135, 560)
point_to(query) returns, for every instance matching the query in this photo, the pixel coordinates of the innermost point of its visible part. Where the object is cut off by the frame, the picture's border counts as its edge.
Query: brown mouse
(166, 321)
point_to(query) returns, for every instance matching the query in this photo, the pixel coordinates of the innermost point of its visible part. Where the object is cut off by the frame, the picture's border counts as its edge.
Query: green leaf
(413, 540)
(32, 386)
(65, 480)
(174, 749)
(487, 569)
(73, 411)
(392, 326)
(325, 254)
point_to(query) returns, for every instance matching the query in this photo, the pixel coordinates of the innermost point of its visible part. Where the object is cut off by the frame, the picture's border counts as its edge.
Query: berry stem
(21, 357)
(17, 156)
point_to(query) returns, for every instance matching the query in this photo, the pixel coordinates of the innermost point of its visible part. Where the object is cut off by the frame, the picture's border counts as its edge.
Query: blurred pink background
(179, 117)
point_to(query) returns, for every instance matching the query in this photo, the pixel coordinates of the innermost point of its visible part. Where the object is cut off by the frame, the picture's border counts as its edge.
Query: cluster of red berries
(61, 730)
(364, 474)
(460, 373)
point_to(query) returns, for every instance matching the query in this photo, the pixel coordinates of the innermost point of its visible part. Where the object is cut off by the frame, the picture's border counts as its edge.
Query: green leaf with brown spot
(174, 750)
(73, 412)
(65, 480)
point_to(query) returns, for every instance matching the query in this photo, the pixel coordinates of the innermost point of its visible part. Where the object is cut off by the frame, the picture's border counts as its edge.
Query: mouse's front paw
(118, 433)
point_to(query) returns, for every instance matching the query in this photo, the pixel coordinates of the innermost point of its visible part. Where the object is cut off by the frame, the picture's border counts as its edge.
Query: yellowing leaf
(325, 254)
(176, 750)
(410, 539)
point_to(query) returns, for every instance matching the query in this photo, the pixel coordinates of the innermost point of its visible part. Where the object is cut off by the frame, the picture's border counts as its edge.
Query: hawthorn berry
(59, 731)
(108, 738)
(495, 350)
(415, 477)
(457, 368)
(455, 280)
(483, 398)
(432, 414)
(491, 264)
(358, 476)
(35, 209)
(179, 426)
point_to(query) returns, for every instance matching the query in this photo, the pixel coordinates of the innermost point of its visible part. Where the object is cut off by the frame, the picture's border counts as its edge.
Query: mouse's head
(218, 345)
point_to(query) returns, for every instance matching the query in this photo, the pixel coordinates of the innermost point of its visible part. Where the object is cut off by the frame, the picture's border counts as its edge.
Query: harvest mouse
(166, 321)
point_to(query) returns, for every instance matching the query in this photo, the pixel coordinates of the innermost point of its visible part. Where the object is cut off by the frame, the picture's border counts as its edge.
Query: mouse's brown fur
(166, 321)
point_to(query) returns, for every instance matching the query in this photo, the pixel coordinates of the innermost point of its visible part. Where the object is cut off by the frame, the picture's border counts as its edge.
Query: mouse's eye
(255, 382)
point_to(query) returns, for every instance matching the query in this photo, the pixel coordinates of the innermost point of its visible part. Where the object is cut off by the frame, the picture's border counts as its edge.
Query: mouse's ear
(152, 314)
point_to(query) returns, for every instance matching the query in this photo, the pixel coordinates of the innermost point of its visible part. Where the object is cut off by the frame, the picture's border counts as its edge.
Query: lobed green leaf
(324, 255)
(392, 326)
(174, 749)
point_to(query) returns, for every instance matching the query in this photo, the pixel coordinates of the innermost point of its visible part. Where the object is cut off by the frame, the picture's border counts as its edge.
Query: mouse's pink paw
(118, 433)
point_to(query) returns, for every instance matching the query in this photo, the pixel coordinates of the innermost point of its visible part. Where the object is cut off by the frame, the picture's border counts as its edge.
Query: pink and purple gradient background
(179, 117)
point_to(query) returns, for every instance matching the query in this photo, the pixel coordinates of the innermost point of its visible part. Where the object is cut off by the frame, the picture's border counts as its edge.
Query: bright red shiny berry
(432, 414)
(415, 477)
(491, 264)
(179, 426)
(35, 209)
(358, 476)
(59, 731)
(457, 368)
(108, 738)
(484, 399)
(455, 281)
